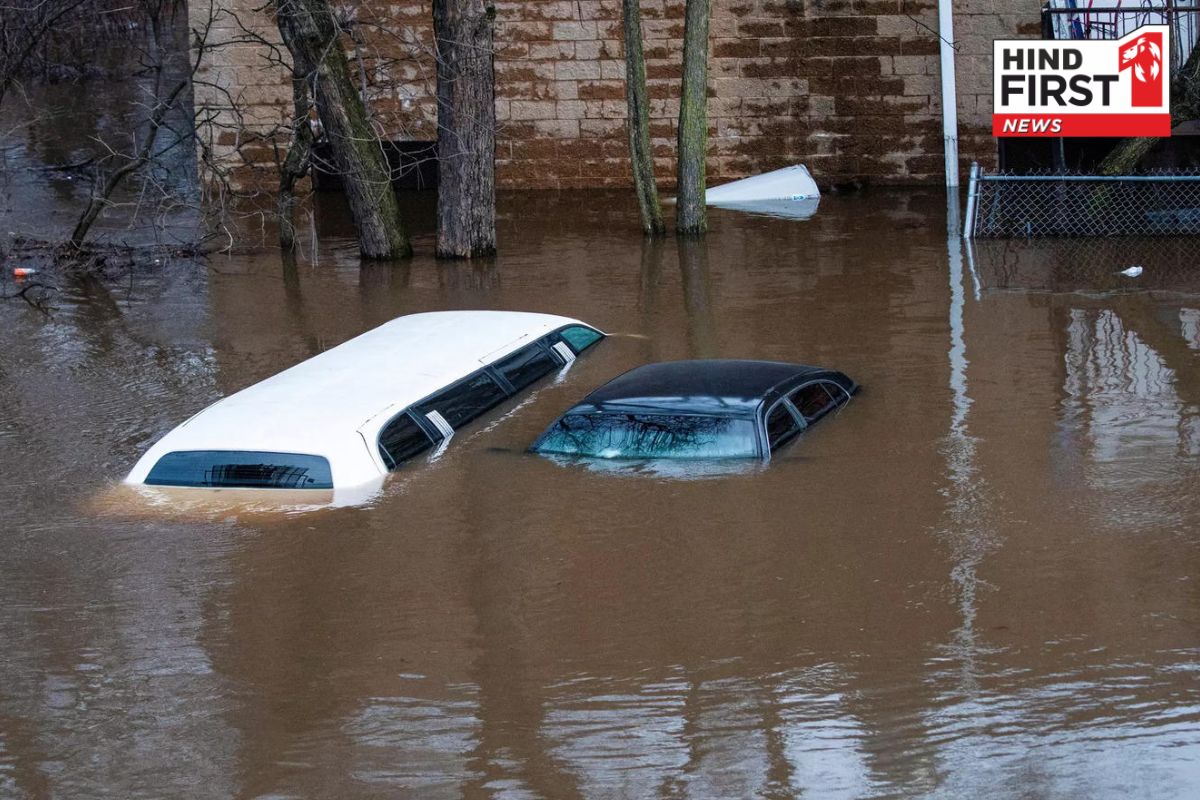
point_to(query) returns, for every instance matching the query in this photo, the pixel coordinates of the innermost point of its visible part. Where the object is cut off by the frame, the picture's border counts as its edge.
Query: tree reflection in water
(628, 435)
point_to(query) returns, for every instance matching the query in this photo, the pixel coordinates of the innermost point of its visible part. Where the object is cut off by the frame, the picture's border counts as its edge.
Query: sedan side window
(462, 403)
(401, 439)
(782, 425)
(526, 366)
(814, 401)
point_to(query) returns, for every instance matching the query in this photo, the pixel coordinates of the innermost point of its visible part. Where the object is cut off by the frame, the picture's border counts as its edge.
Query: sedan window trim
(797, 417)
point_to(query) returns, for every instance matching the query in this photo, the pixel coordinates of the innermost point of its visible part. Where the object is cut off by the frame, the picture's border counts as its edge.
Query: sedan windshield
(616, 435)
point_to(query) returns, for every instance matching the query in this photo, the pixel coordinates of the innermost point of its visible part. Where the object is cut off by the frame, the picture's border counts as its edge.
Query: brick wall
(849, 87)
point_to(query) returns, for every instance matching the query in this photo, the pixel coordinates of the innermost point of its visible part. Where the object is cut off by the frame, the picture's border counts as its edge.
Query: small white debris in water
(1131, 272)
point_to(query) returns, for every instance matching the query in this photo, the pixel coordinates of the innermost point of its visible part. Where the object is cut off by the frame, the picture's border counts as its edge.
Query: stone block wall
(849, 87)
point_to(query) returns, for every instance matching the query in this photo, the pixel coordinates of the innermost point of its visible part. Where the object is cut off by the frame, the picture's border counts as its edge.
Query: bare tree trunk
(641, 157)
(296, 164)
(1125, 157)
(466, 209)
(311, 34)
(693, 120)
(1185, 106)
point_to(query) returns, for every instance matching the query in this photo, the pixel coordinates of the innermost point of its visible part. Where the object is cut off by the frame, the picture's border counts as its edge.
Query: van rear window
(242, 469)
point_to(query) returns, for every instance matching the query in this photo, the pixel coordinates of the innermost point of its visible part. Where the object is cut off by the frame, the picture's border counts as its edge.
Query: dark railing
(1080, 19)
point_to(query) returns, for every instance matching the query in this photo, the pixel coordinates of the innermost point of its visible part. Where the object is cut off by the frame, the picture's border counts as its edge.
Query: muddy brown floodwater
(979, 580)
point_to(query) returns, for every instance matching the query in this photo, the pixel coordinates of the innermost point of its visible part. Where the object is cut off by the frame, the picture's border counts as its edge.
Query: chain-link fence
(1008, 206)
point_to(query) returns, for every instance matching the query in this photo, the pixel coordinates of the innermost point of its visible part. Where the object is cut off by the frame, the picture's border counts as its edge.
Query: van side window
(580, 338)
(814, 400)
(526, 366)
(782, 425)
(401, 439)
(464, 402)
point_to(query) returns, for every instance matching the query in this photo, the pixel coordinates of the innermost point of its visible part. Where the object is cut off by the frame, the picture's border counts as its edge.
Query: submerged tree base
(466, 209)
(34, 269)
(641, 154)
(95, 259)
(309, 31)
(692, 148)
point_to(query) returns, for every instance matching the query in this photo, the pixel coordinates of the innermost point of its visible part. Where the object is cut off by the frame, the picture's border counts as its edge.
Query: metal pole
(972, 189)
(949, 92)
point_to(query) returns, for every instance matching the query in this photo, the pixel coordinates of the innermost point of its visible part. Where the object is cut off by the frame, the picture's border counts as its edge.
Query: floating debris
(790, 192)
(789, 183)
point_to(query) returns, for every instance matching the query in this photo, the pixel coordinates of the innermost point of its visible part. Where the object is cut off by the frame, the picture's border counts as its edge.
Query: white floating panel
(789, 183)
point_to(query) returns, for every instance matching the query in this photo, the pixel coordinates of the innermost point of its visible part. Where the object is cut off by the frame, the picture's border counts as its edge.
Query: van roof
(319, 405)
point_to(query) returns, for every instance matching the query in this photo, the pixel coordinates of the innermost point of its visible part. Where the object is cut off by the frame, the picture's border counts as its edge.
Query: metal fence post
(972, 189)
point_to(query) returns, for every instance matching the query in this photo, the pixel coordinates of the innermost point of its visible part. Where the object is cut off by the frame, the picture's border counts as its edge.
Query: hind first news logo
(1083, 88)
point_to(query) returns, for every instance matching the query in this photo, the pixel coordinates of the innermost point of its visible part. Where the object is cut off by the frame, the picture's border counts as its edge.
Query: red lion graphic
(1144, 57)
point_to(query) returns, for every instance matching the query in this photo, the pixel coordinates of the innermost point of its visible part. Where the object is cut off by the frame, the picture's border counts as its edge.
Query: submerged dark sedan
(698, 409)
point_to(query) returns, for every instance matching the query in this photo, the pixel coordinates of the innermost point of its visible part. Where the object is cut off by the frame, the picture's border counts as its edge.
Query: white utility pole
(949, 91)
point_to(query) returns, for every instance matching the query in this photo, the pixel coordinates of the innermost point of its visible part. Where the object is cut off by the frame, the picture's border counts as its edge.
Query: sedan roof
(711, 386)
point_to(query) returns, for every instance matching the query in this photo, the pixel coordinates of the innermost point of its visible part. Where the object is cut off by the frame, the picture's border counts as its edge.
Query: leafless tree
(164, 96)
(311, 32)
(466, 219)
(641, 156)
(161, 138)
(693, 120)
(299, 156)
(24, 28)
(336, 67)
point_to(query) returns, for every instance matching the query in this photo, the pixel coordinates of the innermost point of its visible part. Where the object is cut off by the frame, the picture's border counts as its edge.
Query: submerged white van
(345, 418)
